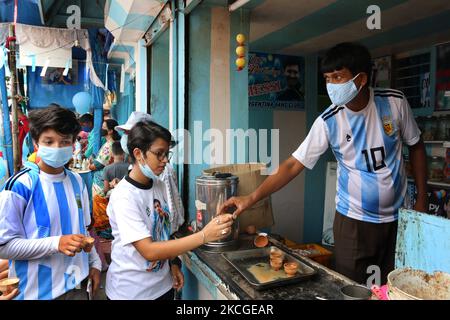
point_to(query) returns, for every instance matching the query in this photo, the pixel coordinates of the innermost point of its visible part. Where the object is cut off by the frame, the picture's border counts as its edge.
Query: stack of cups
(276, 258)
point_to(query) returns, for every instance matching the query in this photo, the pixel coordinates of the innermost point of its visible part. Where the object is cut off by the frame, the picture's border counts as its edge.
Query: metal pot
(211, 192)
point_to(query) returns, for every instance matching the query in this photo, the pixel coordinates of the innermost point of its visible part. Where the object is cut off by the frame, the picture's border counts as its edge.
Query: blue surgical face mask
(124, 142)
(55, 157)
(148, 172)
(342, 93)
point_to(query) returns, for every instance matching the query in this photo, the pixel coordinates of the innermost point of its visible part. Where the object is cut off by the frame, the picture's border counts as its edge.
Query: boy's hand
(10, 295)
(94, 275)
(71, 244)
(178, 277)
(114, 183)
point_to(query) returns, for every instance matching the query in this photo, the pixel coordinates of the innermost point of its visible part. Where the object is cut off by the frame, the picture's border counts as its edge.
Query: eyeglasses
(161, 155)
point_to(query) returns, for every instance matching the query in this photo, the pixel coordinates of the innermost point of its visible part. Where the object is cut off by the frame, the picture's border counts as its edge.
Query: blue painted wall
(423, 242)
(41, 95)
(239, 23)
(198, 102)
(160, 80)
(125, 101)
(199, 90)
(314, 179)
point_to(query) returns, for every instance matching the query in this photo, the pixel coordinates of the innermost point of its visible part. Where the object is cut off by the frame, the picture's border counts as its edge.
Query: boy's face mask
(55, 157)
(343, 93)
(148, 172)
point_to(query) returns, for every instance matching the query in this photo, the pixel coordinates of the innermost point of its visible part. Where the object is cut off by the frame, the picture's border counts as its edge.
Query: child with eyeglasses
(144, 259)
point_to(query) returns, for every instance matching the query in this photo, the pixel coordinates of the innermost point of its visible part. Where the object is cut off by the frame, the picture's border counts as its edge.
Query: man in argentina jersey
(366, 129)
(44, 213)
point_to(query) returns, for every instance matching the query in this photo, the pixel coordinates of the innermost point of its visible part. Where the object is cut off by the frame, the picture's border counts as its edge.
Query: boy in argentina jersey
(365, 128)
(44, 213)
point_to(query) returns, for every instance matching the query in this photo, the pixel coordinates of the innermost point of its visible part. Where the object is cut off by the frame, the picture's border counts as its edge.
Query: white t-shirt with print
(137, 212)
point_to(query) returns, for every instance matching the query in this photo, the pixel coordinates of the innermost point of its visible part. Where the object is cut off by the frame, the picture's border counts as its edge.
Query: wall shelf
(445, 144)
(434, 183)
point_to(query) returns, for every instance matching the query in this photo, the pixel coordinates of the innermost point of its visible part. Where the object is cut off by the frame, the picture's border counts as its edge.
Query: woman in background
(99, 200)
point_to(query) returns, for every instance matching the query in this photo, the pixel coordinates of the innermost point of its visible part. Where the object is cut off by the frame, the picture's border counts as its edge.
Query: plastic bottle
(2, 170)
(84, 165)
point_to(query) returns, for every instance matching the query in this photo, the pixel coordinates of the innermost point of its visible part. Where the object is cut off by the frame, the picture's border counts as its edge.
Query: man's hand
(70, 244)
(240, 203)
(178, 277)
(421, 203)
(94, 275)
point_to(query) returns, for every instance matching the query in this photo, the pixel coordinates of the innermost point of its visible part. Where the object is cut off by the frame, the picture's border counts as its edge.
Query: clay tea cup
(251, 229)
(276, 253)
(88, 243)
(261, 240)
(291, 268)
(276, 263)
(8, 285)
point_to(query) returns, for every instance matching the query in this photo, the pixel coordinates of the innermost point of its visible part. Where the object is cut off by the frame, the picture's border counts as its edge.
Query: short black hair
(111, 124)
(143, 134)
(87, 117)
(353, 56)
(117, 148)
(291, 61)
(63, 121)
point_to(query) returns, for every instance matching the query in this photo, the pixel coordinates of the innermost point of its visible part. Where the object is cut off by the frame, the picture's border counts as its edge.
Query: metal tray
(242, 260)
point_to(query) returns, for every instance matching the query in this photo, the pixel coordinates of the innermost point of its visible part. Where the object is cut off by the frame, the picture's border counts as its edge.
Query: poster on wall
(276, 82)
(438, 200)
(443, 77)
(425, 87)
(381, 72)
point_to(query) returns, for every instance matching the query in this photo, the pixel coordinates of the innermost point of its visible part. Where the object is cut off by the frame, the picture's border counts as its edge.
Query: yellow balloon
(240, 51)
(240, 62)
(240, 38)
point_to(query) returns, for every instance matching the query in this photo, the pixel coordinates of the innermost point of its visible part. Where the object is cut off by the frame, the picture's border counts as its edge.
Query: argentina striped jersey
(367, 144)
(36, 205)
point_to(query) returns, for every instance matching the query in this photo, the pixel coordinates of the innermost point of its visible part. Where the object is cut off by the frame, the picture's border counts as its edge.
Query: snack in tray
(291, 268)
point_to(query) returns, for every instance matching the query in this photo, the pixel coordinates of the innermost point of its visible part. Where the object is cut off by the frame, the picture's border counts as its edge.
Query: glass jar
(441, 129)
(436, 168)
(447, 127)
(430, 129)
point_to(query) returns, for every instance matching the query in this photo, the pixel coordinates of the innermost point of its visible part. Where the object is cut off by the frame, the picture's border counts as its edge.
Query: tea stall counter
(223, 281)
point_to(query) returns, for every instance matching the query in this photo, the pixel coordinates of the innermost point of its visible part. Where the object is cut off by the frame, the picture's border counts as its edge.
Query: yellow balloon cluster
(240, 52)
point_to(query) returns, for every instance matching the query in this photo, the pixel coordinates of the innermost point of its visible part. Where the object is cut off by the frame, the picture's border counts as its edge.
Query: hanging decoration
(66, 68)
(240, 52)
(82, 102)
(44, 69)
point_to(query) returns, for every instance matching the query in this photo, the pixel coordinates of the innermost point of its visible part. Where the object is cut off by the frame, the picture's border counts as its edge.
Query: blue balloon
(82, 102)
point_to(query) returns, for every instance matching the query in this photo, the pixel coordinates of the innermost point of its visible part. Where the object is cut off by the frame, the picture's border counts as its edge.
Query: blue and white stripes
(367, 144)
(37, 206)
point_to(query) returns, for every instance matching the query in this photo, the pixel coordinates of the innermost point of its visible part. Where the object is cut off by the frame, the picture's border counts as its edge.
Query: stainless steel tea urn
(211, 192)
